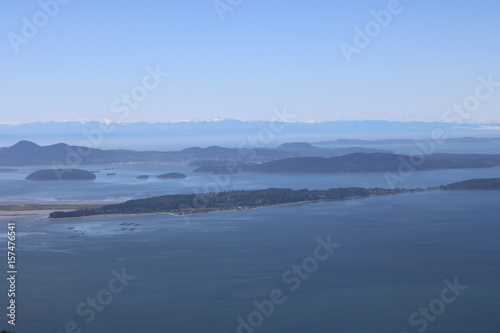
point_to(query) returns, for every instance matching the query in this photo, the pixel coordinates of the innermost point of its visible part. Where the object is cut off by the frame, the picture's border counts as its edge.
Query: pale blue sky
(263, 55)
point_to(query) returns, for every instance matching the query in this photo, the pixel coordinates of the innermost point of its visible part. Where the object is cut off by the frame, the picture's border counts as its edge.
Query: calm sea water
(125, 186)
(203, 273)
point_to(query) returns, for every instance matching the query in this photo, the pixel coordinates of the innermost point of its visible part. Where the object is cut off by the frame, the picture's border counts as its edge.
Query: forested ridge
(200, 203)
(245, 199)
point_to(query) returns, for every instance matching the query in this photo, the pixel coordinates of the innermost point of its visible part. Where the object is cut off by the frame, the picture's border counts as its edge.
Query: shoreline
(188, 214)
(40, 212)
(221, 210)
(5, 214)
(24, 213)
(62, 202)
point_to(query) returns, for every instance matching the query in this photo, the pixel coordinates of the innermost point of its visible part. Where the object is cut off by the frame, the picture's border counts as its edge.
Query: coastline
(39, 212)
(222, 210)
(188, 214)
(5, 214)
(62, 202)
(24, 213)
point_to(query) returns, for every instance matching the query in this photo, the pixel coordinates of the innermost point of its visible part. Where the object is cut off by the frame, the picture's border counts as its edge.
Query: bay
(125, 186)
(201, 274)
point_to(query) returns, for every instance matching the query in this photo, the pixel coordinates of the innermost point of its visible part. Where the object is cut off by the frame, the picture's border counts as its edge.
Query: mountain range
(295, 157)
(376, 162)
(26, 153)
(177, 135)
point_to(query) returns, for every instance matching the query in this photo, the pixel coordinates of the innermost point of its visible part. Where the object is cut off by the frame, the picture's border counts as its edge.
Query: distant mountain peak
(25, 144)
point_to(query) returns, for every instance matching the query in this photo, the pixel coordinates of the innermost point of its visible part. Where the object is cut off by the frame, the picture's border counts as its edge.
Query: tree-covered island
(181, 204)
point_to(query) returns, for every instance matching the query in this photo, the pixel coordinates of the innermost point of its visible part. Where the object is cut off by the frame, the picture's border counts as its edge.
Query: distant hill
(353, 150)
(161, 136)
(307, 149)
(61, 174)
(26, 153)
(475, 184)
(377, 162)
(403, 141)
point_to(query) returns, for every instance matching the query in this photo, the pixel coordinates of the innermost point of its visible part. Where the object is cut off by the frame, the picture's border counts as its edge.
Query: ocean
(402, 263)
(124, 185)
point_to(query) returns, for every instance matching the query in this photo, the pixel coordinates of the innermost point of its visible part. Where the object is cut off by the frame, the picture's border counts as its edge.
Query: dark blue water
(201, 274)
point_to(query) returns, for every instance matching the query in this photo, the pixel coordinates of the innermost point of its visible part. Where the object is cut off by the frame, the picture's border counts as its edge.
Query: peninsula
(182, 204)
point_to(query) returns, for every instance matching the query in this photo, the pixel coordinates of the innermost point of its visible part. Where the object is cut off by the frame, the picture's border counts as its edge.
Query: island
(474, 184)
(293, 157)
(61, 174)
(183, 204)
(374, 162)
(173, 175)
(142, 177)
(359, 162)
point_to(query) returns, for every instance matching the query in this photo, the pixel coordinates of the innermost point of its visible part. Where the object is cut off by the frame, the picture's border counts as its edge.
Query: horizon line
(217, 120)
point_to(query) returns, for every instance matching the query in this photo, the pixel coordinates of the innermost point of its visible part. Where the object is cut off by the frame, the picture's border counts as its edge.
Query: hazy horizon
(227, 133)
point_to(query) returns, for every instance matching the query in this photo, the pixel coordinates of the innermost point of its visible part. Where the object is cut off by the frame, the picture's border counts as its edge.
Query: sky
(166, 60)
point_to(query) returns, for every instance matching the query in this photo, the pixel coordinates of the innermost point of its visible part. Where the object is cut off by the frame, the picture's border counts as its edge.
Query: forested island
(358, 162)
(376, 162)
(172, 175)
(232, 200)
(61, 174)
(474, 184)
(181, 204)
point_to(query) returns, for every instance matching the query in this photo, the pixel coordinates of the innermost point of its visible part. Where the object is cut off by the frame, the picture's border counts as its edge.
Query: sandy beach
(206, 212)
(68, 202)
(43, 212)
(22, 213)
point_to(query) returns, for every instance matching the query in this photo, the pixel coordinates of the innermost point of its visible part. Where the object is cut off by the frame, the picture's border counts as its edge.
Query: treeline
(200, 203)
(61, 174)
(475, 184)
(376, 162)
